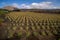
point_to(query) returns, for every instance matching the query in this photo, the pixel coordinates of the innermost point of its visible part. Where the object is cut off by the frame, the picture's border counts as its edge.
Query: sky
(31, 4)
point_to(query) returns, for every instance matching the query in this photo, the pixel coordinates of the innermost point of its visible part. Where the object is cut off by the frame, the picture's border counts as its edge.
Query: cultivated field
(32, 26)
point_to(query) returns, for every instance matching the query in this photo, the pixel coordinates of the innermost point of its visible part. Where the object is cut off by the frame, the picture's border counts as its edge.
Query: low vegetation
(29, 25)
(32, 26)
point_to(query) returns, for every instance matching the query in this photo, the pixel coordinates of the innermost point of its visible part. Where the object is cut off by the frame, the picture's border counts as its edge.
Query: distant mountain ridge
(11, 8)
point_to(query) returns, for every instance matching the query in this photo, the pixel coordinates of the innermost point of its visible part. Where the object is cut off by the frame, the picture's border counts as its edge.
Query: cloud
(41, 5)
(15, 5)
(24, 6)
(21, 6)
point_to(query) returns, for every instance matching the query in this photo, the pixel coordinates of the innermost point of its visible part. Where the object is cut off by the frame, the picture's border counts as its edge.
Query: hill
(10, 8)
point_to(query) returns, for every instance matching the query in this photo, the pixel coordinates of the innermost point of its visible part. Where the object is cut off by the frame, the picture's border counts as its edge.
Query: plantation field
(32, 26)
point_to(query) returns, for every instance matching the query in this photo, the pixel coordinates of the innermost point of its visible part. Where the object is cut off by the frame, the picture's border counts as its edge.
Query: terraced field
(32, 26)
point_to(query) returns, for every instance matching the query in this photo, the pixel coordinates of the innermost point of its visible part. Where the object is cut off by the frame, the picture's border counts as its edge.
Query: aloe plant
(28, 33)
(35, 33)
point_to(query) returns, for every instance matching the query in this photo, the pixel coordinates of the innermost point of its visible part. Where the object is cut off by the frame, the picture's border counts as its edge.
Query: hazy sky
(28, 4)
